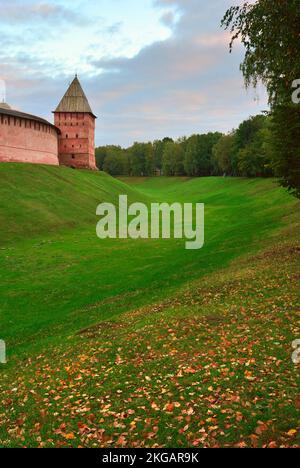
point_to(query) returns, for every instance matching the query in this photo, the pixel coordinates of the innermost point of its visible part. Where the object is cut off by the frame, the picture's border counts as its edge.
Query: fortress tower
(76, 121)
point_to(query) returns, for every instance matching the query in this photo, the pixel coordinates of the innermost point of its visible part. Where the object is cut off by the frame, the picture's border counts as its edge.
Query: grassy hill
(180, 339)
(38, 199)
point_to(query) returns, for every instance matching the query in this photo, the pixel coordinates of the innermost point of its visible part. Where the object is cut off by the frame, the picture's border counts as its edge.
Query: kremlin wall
(25, 138)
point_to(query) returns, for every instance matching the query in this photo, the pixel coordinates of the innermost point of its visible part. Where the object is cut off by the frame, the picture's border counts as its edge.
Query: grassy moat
(141, 343)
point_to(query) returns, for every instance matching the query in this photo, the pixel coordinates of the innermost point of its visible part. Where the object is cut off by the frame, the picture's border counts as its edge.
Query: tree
(158, 150)
(206, 144)
(178, 159)
(222, 154)
(112, 165)
(198, 159)
(137, 159)
(248, 129)
(191, 156)
(251, 149)
(252, 160)
(100, 154)
(173, 159)
(269, 30)
(286, 146)
(115, 162)
(149, 160)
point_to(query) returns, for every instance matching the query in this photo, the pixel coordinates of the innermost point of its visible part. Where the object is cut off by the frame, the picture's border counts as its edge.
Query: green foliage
(269, 31)
(158, 150)
(286, 146)
(206, 144)
(137, 157)
(173, 157)
(251, 152)
(190, 160)
(223, 154)
(116, 160)
(246, 151)
(100, 155)
(149, 160)
(199, 154)
(248, 130)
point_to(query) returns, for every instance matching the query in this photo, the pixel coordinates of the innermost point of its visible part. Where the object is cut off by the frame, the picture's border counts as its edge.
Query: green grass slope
(209, 366)
(37, 199)
(58, 277)
(141, 342)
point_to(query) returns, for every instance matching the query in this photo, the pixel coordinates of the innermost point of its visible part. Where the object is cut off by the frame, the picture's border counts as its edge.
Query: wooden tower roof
(74, 100)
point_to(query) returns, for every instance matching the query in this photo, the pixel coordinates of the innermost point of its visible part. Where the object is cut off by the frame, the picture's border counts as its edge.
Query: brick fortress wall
(27, 141)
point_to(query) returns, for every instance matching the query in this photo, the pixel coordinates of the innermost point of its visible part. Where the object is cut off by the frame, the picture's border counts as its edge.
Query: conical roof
(74, 100)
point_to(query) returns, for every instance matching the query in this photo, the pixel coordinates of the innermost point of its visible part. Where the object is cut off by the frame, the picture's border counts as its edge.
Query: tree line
(245, 152)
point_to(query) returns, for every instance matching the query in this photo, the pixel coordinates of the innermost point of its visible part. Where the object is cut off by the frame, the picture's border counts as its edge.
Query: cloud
(168, 19)
(188, 83)
(114, 28)
(26, 12)
(185, 84)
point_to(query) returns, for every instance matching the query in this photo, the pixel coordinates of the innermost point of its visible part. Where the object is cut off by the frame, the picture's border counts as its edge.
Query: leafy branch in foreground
(270, 33)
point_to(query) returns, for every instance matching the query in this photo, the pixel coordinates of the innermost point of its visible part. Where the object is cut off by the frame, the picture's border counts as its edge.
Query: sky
(150, 68)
